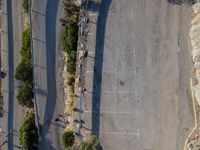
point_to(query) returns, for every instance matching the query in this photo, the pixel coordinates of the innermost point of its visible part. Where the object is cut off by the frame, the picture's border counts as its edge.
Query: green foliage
(25, 95)
(70, 80)
(68, 139)
(71, 10)
(26, 48)
(91, 144)
(23, 72)
(70, 37)
(28, 135)
(25, 5)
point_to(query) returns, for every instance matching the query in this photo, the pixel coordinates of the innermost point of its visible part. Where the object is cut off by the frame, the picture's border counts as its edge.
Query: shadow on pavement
(51, 15)
(179, 2)
(11, 73)
(103, 9)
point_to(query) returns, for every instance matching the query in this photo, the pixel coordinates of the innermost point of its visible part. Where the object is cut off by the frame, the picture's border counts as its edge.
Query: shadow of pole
(11, 73)
(98, 62)
(179, 2)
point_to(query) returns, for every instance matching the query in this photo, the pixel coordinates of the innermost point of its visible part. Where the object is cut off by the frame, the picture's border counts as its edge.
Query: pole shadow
(11, 72)
(98, 63)
(180, 2)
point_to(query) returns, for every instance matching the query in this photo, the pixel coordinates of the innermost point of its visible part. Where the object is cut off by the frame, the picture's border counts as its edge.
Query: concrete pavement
(46, 35)
(137, 79)
(12, 26)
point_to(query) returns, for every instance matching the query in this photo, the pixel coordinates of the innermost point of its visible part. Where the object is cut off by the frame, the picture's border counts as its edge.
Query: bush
(70, 81)
(26, 47)
(25, 5)
(25, 95)
(23, 72)
(68, 139)
(28, 135)
(91, 144)
(70, 37)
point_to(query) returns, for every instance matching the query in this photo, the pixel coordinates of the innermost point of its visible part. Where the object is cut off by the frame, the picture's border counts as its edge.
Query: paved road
(137, 80)
(46, 35)
(4, 60)
(13, 27)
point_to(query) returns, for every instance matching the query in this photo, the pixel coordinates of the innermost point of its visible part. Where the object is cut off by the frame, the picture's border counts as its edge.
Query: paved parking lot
(137, 80)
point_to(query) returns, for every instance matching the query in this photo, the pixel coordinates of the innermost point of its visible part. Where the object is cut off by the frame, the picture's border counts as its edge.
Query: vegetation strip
(69, 45)
(28, 134)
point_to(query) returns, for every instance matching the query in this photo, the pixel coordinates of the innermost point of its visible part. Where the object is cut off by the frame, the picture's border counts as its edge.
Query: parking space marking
(127, 92)
(113, 112)
(114, 133)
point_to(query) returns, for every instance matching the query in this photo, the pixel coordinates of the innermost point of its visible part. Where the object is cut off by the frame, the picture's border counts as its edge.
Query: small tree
(28, 135)
(68, 139)
(25, 5)
(24, 72)
(25, 96)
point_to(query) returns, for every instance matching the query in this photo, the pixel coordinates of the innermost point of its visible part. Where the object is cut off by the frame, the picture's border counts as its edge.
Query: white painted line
(113, 112)
(113, 72)
(90, 33)
(92, 14)
(136, 92)
(89, 72)
(118, 92)
(137, 114)
(114, 133)
(138, 133)
(91, 52)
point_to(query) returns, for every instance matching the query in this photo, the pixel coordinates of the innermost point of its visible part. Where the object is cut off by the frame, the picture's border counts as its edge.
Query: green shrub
(23, 72)
(28, 134)
(70, 37)
(26, 47)
(68, 139)
(91, 144)
(25, 95)
(70, 80)
(25, 5)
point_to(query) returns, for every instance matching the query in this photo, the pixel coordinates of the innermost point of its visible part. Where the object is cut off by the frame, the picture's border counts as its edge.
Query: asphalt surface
(12, 27)
(4, 61)
(46, 38)
(137, 80)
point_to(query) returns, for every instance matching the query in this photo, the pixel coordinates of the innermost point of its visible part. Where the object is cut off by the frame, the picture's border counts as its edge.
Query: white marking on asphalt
(92, 14)
(113, 112)
(90, 33)
(114, 72)
(115, 133)
(136, 92)
(89, 71)
(118, 92)
(138, 133)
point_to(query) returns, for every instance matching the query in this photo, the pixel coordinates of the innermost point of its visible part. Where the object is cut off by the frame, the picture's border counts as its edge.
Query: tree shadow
(103, 9)
(180, 2)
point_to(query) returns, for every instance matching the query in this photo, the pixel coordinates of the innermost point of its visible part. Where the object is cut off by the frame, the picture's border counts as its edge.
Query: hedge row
(24, 72)
(69, 40)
